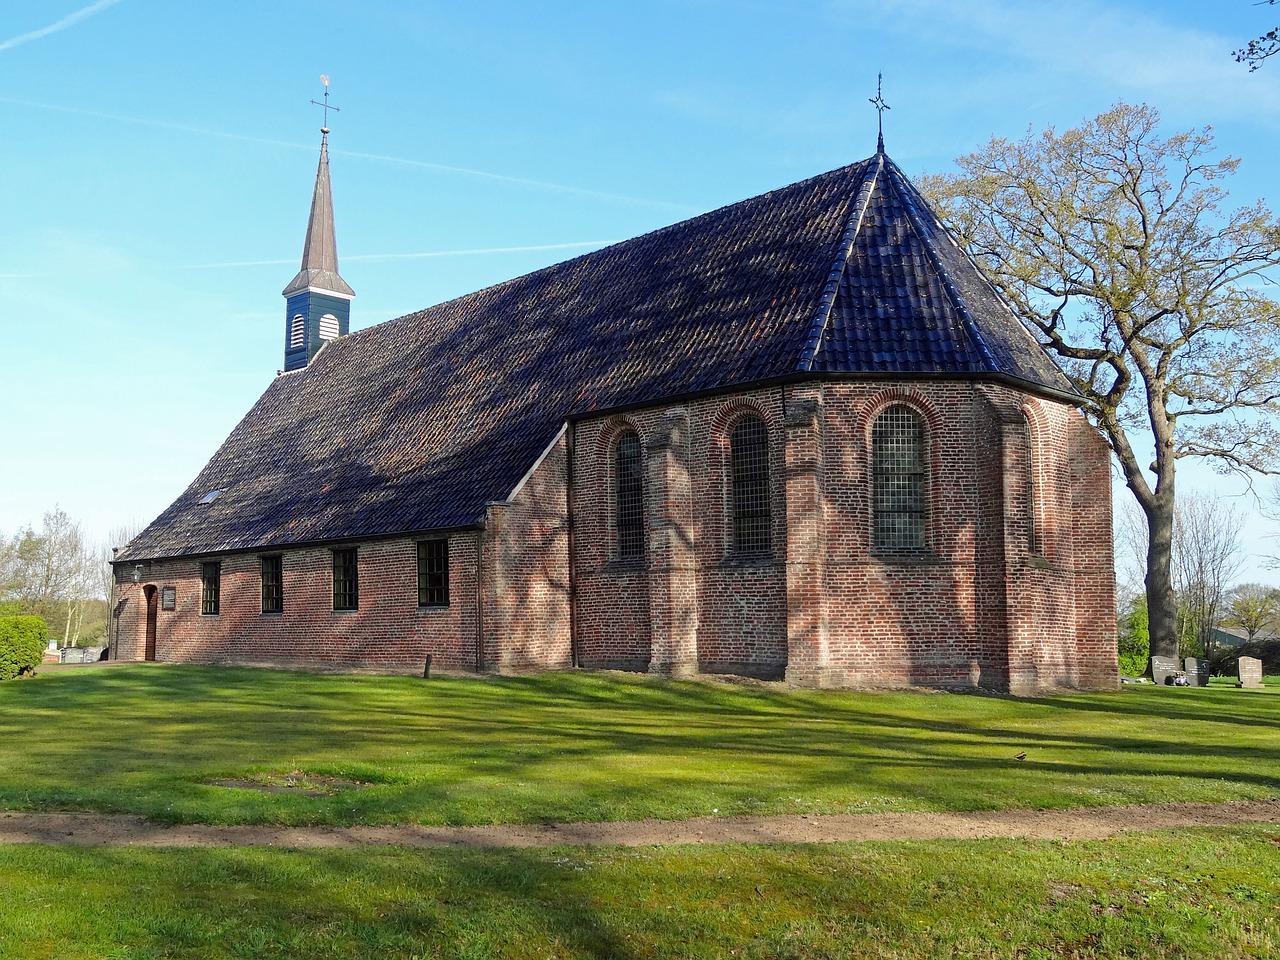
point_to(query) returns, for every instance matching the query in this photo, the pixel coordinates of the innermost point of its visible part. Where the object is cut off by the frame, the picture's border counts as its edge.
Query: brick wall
(1013, 589)
(525, 571)
(389, 631)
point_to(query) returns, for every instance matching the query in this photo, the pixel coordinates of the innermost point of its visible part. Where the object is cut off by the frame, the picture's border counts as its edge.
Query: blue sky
(158, 159)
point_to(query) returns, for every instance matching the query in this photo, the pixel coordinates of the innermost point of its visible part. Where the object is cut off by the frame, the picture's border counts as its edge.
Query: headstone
(1197, 671)
(1250, 672)
(1164, 669)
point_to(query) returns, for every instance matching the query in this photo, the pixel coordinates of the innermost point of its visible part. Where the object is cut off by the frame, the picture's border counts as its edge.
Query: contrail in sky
(577, 245)
(422, 164)
(69, 20)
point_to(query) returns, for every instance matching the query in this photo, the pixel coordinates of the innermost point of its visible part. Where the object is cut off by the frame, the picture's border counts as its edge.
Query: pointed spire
(320, 252)
(881, 107)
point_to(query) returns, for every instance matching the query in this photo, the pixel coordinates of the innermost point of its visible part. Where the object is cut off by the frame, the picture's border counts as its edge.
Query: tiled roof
(416, 424)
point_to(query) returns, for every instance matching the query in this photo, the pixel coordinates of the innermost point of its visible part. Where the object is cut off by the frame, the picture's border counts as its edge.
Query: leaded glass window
(273, 584)
(630, 490)
(749, 461)
(210, 588)
(897, 445)
(433, 573)
(346, 580)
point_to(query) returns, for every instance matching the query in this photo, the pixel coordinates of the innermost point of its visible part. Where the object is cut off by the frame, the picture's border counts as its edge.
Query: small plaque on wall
(168, 598)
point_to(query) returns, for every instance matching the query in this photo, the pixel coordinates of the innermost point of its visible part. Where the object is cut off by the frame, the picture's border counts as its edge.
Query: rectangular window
(273, 584)
(210, 588)
(346, 580)
(433, 573)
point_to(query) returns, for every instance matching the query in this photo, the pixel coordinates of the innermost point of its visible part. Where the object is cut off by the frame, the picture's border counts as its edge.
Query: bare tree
(1111, 242)
(1259, 48)
(1207, 555)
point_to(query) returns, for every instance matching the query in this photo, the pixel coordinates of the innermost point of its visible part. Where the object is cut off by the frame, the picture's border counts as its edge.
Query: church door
(153, 603)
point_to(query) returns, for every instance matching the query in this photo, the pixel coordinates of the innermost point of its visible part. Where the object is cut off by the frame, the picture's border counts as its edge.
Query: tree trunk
(1162, 602)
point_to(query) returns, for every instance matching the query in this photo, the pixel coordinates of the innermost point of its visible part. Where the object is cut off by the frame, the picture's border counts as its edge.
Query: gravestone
(1163, 669)
(1250, 672)
(1197, 671)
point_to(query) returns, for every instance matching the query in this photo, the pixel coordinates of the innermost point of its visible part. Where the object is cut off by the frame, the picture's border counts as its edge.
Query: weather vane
(326, 105)
(880, 106)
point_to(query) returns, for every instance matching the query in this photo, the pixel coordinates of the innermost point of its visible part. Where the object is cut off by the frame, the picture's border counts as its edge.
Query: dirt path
(1079, 824)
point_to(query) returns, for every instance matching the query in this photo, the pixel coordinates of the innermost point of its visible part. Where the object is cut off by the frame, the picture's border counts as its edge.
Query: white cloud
(1133, 53)
(69, 20)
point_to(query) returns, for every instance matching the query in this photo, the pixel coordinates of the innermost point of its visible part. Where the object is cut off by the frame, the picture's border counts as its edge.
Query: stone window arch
(629, 495)
(898, 479)
(749, 485)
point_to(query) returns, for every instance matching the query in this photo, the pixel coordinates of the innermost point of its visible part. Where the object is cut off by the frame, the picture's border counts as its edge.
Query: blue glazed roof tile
(417, 423)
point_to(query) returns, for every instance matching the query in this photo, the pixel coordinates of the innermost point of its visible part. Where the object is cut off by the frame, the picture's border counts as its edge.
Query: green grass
(1207, 893)
(567, 747)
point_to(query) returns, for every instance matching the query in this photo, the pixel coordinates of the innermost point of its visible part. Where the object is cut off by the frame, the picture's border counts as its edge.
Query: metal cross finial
(326, 105)
(881, 107)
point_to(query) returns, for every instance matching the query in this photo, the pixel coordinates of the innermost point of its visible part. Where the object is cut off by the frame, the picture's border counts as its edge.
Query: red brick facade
(1013, 589)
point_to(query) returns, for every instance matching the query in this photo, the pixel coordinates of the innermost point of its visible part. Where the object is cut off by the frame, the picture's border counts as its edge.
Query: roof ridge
(829, 292)
(948, 282)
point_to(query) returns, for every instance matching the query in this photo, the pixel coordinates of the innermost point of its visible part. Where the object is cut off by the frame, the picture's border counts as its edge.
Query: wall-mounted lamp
(137, 573)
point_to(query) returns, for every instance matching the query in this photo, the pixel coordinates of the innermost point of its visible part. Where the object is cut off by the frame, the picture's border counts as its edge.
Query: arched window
(897, 451)
(749, 456)
(1033, 541)
(297, 330)
(629, 475)
(328, 327)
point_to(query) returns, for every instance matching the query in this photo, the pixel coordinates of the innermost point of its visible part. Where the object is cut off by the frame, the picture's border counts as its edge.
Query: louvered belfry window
(346, 580)
(630, 489)
(749, 456)
(297, 331)
(897, 444)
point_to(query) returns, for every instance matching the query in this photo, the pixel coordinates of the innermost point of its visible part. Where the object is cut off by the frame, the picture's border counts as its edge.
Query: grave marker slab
(1163, 669)
(1197, 670)
(1250, 672)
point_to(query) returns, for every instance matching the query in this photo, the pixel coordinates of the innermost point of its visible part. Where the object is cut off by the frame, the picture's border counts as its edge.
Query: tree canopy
(1112, 242)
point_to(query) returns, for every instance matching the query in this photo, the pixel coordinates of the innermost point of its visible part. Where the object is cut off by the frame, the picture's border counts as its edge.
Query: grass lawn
(1207, 893)
(564, 747)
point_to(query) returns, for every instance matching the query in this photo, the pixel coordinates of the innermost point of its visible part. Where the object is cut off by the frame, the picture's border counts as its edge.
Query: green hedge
(22, 643)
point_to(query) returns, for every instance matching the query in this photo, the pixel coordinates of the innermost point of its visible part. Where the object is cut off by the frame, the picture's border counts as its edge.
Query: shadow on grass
(563, 747)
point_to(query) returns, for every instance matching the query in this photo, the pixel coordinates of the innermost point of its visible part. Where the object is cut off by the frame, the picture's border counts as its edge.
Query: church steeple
(317, 300)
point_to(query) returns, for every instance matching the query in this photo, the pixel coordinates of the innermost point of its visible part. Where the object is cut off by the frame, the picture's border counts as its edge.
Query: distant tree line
(56, 572)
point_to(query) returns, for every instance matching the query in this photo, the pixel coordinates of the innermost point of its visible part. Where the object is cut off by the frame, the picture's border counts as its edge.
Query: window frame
(433, 572)
(628, 499)
(750, 488)
(346, 579)
(910, 500)
(271, 572)
(210, 588)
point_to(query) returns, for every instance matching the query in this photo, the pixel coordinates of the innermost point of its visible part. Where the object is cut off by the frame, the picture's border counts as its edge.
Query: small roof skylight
(209, 497)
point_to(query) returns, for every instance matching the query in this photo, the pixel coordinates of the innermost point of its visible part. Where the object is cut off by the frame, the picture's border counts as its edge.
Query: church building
(800, 437)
